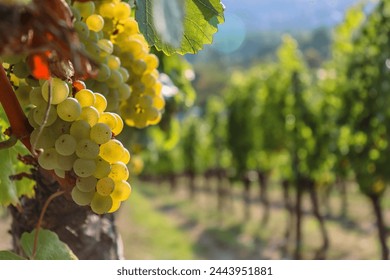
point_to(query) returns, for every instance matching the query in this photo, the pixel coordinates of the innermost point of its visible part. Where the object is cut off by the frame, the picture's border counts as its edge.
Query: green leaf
(8, 255)
(50, 247)
(10, 191)
(201, 21)
(169, 16)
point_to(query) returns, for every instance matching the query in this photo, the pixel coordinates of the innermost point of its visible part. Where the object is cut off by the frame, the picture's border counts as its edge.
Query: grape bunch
(127, 74)
(74, 136)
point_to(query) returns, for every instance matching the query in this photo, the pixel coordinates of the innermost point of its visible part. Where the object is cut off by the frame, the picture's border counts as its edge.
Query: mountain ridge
(287, 14)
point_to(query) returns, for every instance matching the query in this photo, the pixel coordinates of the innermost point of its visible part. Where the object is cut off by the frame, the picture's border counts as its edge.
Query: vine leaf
(167, 13)
(199, 23)
(11, 190)
(8, 191)
(50, 247)
(8, 255)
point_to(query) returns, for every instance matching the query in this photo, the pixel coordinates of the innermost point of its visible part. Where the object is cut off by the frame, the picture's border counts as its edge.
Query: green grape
(127, 111)
(59, 172)
(85, 8)
(101, 204)
(115, 79)
(12, 59)
(85, 97)
(105, 186)
(119, 124)
(80, 130)
(130, 26)
(139, 66)
(31, 121)
(87, 149)
(21, 70)
(151, 61)
(36, 97)
(75, 13)
(48, 159)
(113, 100)
(122, 11)
(69, 110)
(60, 127)
(65, 145)
(107, 10)
(66, 162)
(153, 116)
(106, 46)
(101, 88)
(95, 22)
(112, 151)
(45, 140)
(109, 119)
(103, 168)
(119, 171)
(140, 120)
(126, 157)
(116, 204)
(109, 27)
(125, 73)
(148, 80)
(84, 167)
(40, 113)
(150, 92)
(87, 184)
(145, 101)
(59, 90)
(81, 29)
(31, 81)
(100, 133)
(90, 115)
(93, 50)
(100, 102)
(93, 36)
(113, 62)
(138, 86)
(124, 91)
(82, 198)
(104, 73)
(121, 191)
(23, 93)
(158, 102)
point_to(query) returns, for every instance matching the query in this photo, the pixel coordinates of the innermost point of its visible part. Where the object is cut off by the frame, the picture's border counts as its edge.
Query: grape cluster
(74, 134)
(127, 73)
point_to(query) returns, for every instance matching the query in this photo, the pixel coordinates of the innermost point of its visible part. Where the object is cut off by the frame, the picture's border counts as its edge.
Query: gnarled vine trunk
(89, 236)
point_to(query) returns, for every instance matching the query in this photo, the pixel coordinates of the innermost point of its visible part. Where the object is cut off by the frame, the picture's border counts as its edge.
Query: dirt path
(5, 237)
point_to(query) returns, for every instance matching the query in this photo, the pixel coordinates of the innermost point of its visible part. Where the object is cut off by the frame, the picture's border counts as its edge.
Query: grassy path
(149, 234)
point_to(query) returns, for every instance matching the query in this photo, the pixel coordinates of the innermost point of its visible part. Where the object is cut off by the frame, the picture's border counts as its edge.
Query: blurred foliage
(295, 114)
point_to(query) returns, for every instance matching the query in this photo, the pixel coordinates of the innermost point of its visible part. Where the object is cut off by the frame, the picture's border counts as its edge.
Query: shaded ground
(228, 235)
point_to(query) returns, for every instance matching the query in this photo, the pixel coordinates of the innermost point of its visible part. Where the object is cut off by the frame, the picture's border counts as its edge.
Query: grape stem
(40, 129)
(20, 126)
(9, 142)
(38, 226)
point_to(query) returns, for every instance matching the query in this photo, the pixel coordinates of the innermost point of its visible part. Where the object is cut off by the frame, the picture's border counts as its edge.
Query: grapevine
(73, 129)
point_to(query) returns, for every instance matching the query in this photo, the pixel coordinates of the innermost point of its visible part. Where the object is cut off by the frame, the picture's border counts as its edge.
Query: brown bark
(263, 184)
(298, 214)
(321, 253)
(382, 232)
(89, 236)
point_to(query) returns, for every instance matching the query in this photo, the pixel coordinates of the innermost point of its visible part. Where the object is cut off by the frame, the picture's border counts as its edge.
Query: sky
(246, 16)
